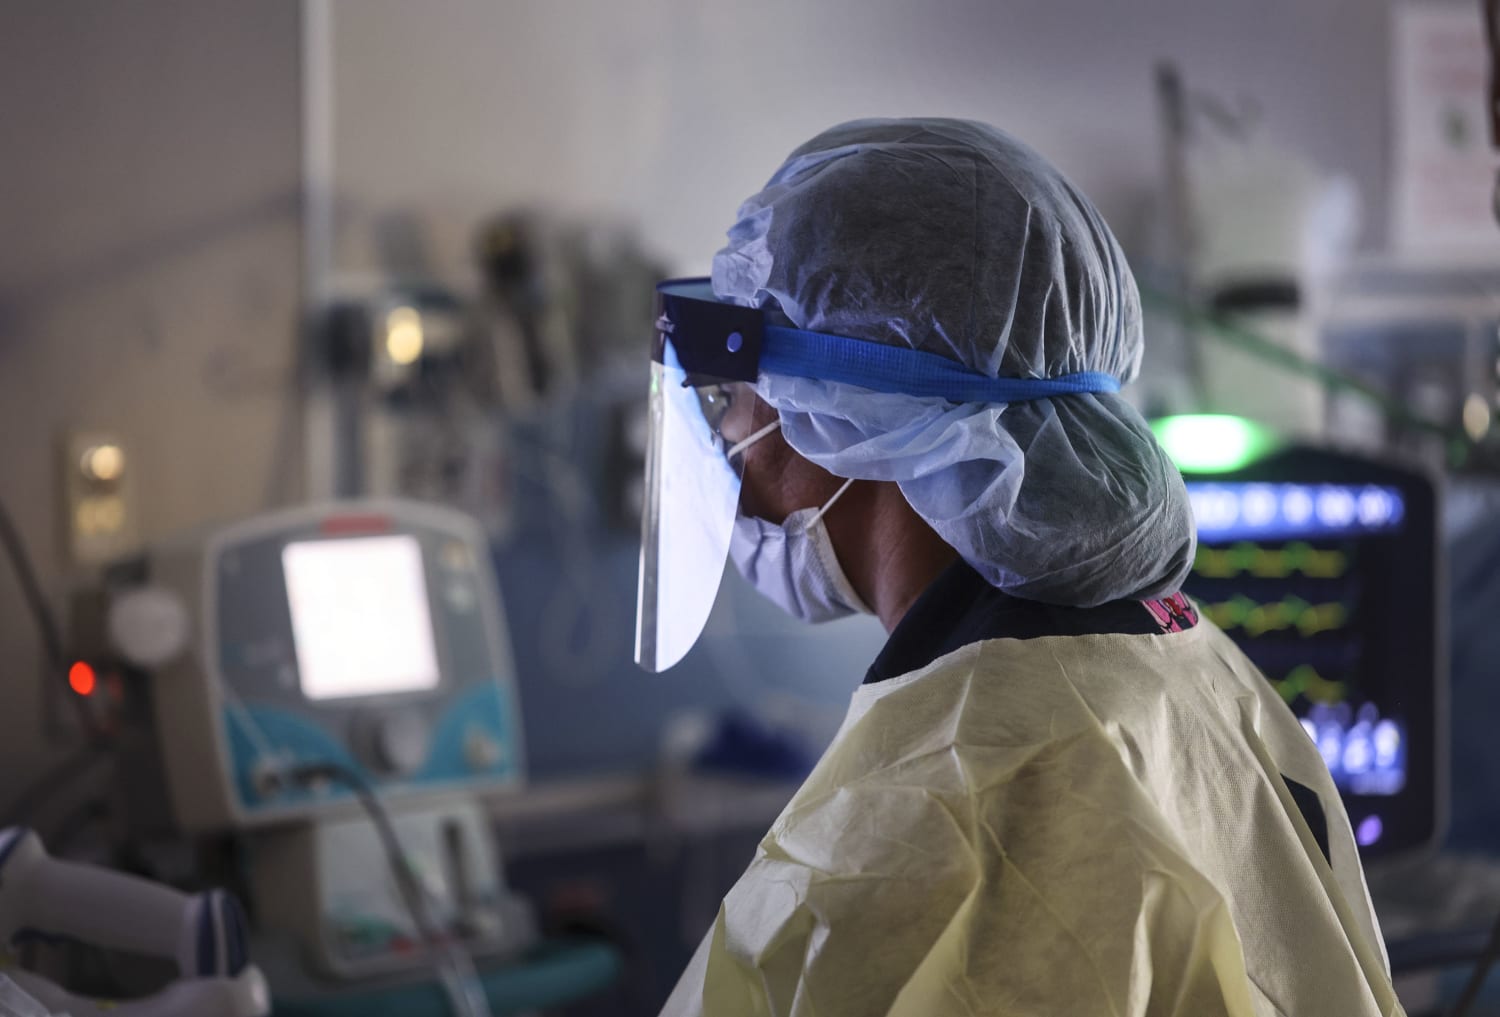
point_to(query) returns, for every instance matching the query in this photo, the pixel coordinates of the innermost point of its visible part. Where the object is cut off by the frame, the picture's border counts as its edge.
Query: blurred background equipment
(1328, 570)
(1341, 453)
(204, 936)
(1262, 307)
(532, 298)
(422, 389)
(412, 402)
(1255, 230)
(341, 692)
(371, 279)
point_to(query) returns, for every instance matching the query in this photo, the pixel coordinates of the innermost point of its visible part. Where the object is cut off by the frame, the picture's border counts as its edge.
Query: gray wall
(149, 273)
(669, 112)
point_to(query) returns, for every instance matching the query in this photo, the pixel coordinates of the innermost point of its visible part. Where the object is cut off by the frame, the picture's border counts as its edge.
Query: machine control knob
(482, 751)
(393, 742)
(149, 626)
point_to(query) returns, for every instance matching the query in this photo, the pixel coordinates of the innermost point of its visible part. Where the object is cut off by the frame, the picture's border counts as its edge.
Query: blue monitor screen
(1300, 575)
(1245, 511)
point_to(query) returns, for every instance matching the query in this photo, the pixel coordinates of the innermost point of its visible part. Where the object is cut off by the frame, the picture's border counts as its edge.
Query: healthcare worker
(1059, 790)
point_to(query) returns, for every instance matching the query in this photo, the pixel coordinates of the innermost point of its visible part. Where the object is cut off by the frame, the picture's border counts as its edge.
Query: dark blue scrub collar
(961, 607)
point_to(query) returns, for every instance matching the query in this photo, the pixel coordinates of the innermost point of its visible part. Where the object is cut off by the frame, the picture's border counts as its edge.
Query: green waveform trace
(1304, 680)
(1245, 558)
(1256, 619)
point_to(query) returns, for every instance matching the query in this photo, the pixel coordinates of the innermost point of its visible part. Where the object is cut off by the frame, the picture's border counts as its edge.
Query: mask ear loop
(740, 446)
(829, 503)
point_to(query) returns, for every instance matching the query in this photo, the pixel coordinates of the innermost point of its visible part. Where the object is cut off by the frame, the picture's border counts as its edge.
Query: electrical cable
(453, 964)
(47, 627)
(81, 761)
(31, 589)
(1481, 971)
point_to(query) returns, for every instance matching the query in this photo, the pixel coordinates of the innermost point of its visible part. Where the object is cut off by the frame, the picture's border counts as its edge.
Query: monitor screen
(361, 622)
(1325, 568)
(1295, 574)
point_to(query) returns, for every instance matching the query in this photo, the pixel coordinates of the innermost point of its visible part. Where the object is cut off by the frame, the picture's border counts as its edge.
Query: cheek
(760, 491)
(778, 481)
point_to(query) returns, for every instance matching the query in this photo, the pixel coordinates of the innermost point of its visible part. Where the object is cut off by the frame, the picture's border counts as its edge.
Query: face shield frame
(712, 340)
(702, 349)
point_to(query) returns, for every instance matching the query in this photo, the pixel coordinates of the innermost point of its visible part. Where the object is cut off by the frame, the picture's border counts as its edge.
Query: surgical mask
(793, 564)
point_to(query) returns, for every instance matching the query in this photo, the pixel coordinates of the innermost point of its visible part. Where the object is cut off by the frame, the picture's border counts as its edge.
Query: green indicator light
(1211, 442)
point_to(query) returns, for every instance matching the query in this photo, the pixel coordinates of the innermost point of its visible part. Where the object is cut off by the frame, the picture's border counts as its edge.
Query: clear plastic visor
(692, 493)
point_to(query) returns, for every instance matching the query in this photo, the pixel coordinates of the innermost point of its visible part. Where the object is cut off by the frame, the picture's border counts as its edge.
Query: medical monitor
(1324, 568)
(367, 635)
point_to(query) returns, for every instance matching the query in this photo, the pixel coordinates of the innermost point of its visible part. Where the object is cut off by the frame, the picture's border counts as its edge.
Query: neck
(888, 552)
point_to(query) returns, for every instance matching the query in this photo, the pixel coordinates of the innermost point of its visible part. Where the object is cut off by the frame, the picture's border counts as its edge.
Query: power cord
(31, 590)
(49, 632)
(55, 658)
(454, 967)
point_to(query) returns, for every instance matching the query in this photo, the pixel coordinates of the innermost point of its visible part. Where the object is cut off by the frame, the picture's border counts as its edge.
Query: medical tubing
(265, 753)
(452, 965)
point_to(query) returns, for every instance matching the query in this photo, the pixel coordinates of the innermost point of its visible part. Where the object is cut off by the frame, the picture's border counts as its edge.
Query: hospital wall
(149, 281)
(670, 112)
(149, 277)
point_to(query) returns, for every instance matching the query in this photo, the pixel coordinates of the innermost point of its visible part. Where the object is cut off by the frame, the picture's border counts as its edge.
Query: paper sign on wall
(1444, 173)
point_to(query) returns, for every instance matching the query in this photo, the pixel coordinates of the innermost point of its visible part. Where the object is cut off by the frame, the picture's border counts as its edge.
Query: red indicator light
(350, 525)
(81, 678)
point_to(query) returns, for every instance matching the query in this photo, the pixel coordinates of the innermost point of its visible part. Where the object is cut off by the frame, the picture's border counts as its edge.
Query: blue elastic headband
(895, 369)
(713, 338)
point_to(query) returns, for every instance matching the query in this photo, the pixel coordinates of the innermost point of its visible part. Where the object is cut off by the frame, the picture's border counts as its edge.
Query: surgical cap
(954, 238)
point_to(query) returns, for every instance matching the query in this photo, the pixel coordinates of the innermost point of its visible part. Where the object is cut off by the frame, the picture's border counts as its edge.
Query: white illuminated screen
(360, 617)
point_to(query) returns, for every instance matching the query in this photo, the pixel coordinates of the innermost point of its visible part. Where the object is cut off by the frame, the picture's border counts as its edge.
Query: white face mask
(793, 564)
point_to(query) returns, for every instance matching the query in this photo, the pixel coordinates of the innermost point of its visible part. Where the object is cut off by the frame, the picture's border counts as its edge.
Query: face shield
(706, 358)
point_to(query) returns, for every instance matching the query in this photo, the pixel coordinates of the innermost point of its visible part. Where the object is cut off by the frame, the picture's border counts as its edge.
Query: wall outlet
(98, 497)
